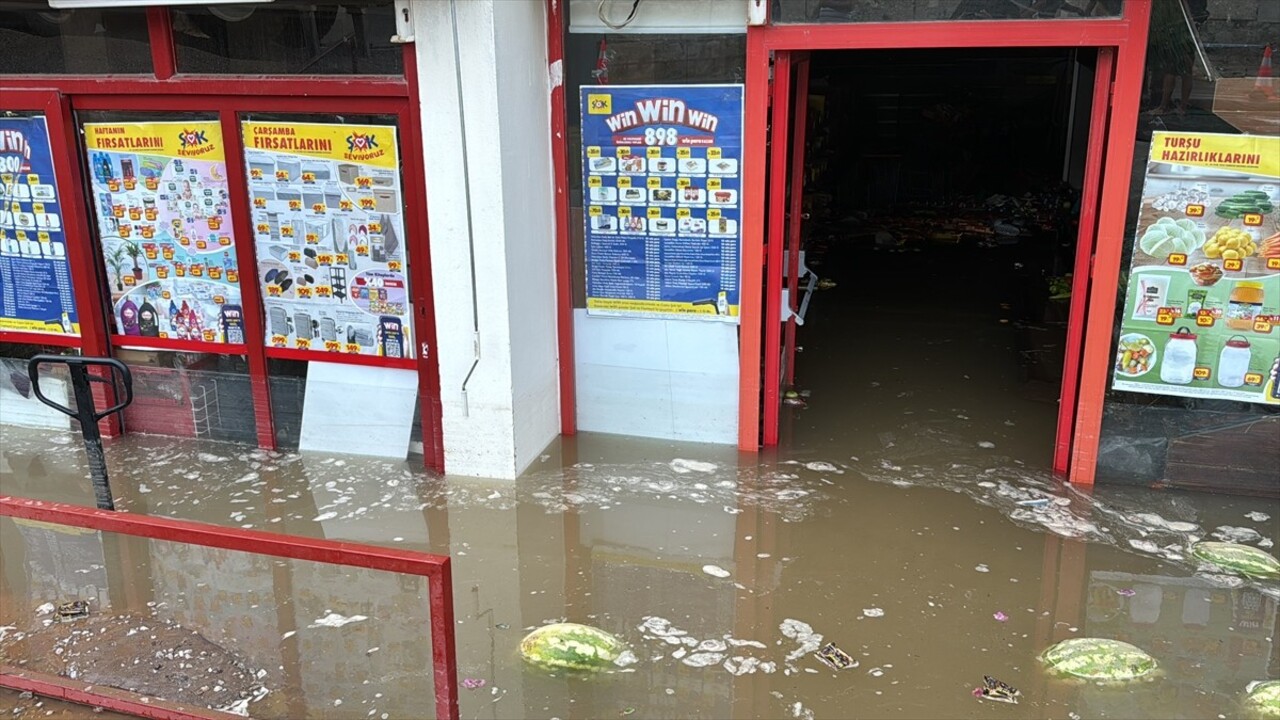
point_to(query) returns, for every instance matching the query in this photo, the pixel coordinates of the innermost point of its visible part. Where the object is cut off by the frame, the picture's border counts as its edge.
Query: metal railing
(435, 568)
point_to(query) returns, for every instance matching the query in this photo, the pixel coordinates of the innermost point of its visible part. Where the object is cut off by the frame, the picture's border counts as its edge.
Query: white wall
(510, 412)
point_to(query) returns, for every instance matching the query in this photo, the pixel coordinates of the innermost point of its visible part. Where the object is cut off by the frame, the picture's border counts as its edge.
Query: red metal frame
(1126, 96)
(72, 691)
(795, 213)
(1126, 35)
(436, 568)
(1099, 111)
(564, 238)
(166, 90)
(779, 137)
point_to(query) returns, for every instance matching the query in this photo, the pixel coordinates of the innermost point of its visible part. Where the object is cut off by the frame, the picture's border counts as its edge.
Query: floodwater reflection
(931, 561)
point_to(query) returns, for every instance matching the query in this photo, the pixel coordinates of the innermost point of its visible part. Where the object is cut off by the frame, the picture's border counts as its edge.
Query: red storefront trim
(564, 238)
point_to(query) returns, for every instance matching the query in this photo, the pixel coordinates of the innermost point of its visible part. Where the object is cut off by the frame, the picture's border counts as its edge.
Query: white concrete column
(500, 91)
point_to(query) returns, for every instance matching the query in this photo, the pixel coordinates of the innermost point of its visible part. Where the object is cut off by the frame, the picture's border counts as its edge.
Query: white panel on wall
(669, 379)
(27, 410)
(358, 410)
(660, 16)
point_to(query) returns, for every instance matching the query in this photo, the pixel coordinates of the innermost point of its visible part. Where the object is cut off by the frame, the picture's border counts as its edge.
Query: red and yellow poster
(163, 211)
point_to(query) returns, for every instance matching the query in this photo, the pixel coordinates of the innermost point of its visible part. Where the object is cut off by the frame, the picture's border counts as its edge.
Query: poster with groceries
(35, 275)
(1202, 308)
(163, 212)
(662, 183)
(328, 220)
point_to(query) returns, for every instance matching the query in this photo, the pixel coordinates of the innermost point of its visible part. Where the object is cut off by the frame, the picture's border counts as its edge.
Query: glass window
(1193, 402)
(639, 59)
(289, 37)
(858, 11)
(40, 41)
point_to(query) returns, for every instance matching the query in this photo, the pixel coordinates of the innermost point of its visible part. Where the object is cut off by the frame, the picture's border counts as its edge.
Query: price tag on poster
(329, 208)
(661, 171)
(1202, 307)
(35, 278)
(164, 214)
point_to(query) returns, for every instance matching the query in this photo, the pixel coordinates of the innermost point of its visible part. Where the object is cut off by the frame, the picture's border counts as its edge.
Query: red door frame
(1126, 36)
(795, 212)
(58, 96)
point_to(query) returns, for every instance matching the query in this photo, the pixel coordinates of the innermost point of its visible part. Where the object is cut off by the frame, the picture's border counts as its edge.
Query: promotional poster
(328, 219)
(163, 211)
(1202, 309)
(662, 183)
(35, 278)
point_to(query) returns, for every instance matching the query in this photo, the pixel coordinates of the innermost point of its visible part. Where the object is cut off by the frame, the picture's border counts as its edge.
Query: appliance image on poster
(329, 224)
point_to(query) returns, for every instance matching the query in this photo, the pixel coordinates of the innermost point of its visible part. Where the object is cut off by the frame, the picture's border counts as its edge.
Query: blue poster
(662, 181)
(35, 277)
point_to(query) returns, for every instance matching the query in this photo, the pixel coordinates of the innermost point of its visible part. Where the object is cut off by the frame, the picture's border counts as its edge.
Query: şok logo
(192, 138)
(360, 142)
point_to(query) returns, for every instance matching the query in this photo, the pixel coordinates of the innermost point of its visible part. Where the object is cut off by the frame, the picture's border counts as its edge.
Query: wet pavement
(929, 556)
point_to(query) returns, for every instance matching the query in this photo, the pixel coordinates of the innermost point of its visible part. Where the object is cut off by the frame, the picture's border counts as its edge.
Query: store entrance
(938, 224)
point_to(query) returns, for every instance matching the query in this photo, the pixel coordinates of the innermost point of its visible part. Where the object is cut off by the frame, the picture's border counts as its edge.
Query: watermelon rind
(1264, 698)
(1099, 659)
(571, 646)
(1237, 558)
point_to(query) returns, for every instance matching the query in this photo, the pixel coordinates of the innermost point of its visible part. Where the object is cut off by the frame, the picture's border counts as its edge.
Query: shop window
(867, 11)
(38, 40)
(1194, 401)
(289, 37)
(198, 395)
(639, 59)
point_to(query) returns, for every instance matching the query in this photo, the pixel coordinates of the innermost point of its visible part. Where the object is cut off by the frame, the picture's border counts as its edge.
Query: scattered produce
(1205, 274)
(571, 646)
(1244, 203)
(1134, 354)
(1264, 697)
(1099, 659)
(1230, 244)
(1168, 236)
(1237, 558)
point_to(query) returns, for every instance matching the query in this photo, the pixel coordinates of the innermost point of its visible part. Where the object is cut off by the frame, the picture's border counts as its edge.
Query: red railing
(435, 568)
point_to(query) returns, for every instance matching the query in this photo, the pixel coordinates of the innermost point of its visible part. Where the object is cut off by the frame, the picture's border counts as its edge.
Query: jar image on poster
(1233, 363)
(1179, 364)
(1244, 304)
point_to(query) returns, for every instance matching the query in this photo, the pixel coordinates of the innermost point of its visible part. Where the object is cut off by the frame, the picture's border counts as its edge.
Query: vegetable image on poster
(164, 215)
(328, 225)
(1202, 309)
(35, 278)
(661, 170)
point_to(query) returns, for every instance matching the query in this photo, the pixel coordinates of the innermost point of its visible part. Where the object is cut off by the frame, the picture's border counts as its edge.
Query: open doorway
(941, 204)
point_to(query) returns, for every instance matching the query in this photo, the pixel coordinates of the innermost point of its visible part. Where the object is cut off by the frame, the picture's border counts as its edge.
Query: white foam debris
(823, 467)
(1227, 533)
(325, 516)
(981, 567)
(683, 466)
(809, 641)
(44, 609)
(715, 571)
(1144, 545)
(335, 620)
(703, 659)
(1257, 516)
(987, 444)
(210, 458)
(873, 612)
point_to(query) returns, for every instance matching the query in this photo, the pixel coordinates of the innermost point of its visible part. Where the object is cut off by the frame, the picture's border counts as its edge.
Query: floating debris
(1264, 697)
(571, 646)
(715, 571)
(73, 610)
(473, 683)
(1099, 659)
(873, 612)
(1257, 516)
(993, 689)
(1000, 617)
(1242, 559)
(835, 658)
(333, 619)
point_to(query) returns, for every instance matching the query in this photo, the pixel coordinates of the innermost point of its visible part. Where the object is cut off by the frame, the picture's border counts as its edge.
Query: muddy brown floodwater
(923, 541)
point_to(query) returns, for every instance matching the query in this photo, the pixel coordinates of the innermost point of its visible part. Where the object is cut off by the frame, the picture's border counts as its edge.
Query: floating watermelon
(1237, 558)
(1264, 698)
(1099, 659)
(571, 646)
